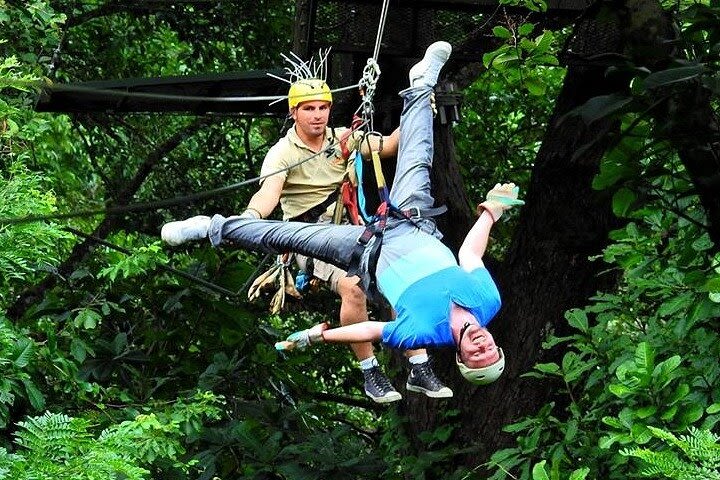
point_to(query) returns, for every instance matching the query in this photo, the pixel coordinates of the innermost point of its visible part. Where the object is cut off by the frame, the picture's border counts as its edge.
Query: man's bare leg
(353, 309)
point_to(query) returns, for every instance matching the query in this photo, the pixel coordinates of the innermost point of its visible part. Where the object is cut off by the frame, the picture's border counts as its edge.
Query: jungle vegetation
(116, 366)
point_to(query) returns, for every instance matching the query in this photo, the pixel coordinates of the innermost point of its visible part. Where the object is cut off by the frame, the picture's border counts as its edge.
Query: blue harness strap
(360, 189)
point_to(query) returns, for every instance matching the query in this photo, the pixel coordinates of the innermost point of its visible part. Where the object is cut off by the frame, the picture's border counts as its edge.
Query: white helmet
(483, 375)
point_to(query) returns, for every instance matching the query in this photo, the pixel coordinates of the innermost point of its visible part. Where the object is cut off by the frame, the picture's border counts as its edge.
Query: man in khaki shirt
(300, 189)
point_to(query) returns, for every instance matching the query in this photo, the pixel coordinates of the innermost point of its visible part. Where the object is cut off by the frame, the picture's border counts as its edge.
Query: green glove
(499, 199)
(304, 338)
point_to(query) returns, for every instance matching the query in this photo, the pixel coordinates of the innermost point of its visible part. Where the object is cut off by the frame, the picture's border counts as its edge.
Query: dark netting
(349, 26)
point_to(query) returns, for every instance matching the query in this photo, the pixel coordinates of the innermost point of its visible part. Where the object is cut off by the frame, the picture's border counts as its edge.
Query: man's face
(477, 347)
(311, 118)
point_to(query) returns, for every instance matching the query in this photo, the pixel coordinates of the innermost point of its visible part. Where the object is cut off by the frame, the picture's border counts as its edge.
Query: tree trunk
(546, 270)
(684, 115)
(694, 132)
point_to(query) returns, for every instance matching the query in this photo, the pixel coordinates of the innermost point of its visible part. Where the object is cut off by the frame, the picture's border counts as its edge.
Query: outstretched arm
(369, 331)
(475, 243)
(266, 198)
(355, 333)
(498, 200)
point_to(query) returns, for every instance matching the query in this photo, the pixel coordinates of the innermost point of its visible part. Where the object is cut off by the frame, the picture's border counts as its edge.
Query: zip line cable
(381, 29)
(187, 98)
(159, 204)
(371, 74)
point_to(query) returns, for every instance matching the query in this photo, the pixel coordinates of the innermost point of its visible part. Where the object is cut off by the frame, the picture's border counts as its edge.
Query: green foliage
(141, 260)
(689, 456)
(27, 249)
(642, 359)
(532, 5)
(117, 341)
(501, 129)
(56, 446)
(17, 361)
(642, 356)
(524, 54)
(434, 458)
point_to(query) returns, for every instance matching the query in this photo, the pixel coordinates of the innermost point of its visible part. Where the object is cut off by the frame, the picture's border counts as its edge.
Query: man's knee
(349, 290)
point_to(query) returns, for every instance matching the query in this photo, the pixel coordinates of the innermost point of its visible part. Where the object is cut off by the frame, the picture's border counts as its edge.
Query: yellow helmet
(308, 90)
(484, 375)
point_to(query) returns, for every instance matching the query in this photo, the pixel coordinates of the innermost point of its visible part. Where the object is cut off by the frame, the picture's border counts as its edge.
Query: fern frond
(691, 456)
(53, 435)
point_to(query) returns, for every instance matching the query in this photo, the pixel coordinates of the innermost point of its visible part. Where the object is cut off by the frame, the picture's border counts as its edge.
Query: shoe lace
(378, 380)
(427, 373)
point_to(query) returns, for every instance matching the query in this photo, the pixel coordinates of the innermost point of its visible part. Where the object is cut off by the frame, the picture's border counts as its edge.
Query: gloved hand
(304, 338)
(499, 199)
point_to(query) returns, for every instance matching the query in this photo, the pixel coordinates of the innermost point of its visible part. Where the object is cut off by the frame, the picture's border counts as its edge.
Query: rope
(186, 275)
(381, 28)
(158, 204)
(371, 74)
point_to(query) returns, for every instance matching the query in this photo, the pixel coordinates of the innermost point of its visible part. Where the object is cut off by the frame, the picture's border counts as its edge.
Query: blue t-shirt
(423, 309)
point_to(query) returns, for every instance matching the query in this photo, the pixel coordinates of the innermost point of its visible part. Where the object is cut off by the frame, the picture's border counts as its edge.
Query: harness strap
(313, 213)
(376, 229)
(373, 229)
(415, 212)
(350, 196)
(355, 124)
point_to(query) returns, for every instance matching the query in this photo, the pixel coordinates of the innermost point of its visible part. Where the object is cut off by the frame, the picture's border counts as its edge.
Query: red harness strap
(356, 122)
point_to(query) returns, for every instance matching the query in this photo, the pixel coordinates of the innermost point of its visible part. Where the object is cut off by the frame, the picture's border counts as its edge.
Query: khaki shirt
(310, 183)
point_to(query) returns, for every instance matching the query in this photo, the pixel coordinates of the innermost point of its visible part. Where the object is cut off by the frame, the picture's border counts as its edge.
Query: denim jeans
(335, 243)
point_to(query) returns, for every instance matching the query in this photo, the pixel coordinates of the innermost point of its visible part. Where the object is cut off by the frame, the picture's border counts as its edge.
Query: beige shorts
(326, 272)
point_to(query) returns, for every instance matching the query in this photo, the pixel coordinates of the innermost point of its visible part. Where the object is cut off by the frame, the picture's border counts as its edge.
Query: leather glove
(499, 199)
(265, 281)
(304, 338)
(278, 275)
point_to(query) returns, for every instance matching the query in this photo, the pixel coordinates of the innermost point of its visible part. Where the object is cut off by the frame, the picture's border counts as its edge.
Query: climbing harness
(376, 228)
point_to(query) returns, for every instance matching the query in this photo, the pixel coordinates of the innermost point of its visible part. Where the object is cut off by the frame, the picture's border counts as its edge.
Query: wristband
(251, 212)
(482, 208)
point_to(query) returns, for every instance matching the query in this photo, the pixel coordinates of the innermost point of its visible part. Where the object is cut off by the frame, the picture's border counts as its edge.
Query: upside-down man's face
(477, 347)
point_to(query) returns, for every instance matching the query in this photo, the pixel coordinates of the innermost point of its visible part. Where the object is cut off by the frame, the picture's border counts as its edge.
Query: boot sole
(386, 399)
(429, 393)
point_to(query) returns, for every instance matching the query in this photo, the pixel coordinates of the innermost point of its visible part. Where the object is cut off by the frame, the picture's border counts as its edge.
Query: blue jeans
(335, 243)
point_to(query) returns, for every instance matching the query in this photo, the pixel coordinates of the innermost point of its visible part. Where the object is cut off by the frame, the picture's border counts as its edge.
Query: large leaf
(645, 358)
(603, 106)
(36, 398)
(577, 318)
(672, 75)
(622, 201)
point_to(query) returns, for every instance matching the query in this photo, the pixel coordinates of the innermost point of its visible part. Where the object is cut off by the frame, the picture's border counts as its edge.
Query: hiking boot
(423, 380)
(194, 228)
(426, 71)
(378, 387)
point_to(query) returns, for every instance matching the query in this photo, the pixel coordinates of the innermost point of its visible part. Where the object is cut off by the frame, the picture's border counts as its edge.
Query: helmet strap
(462, 332)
